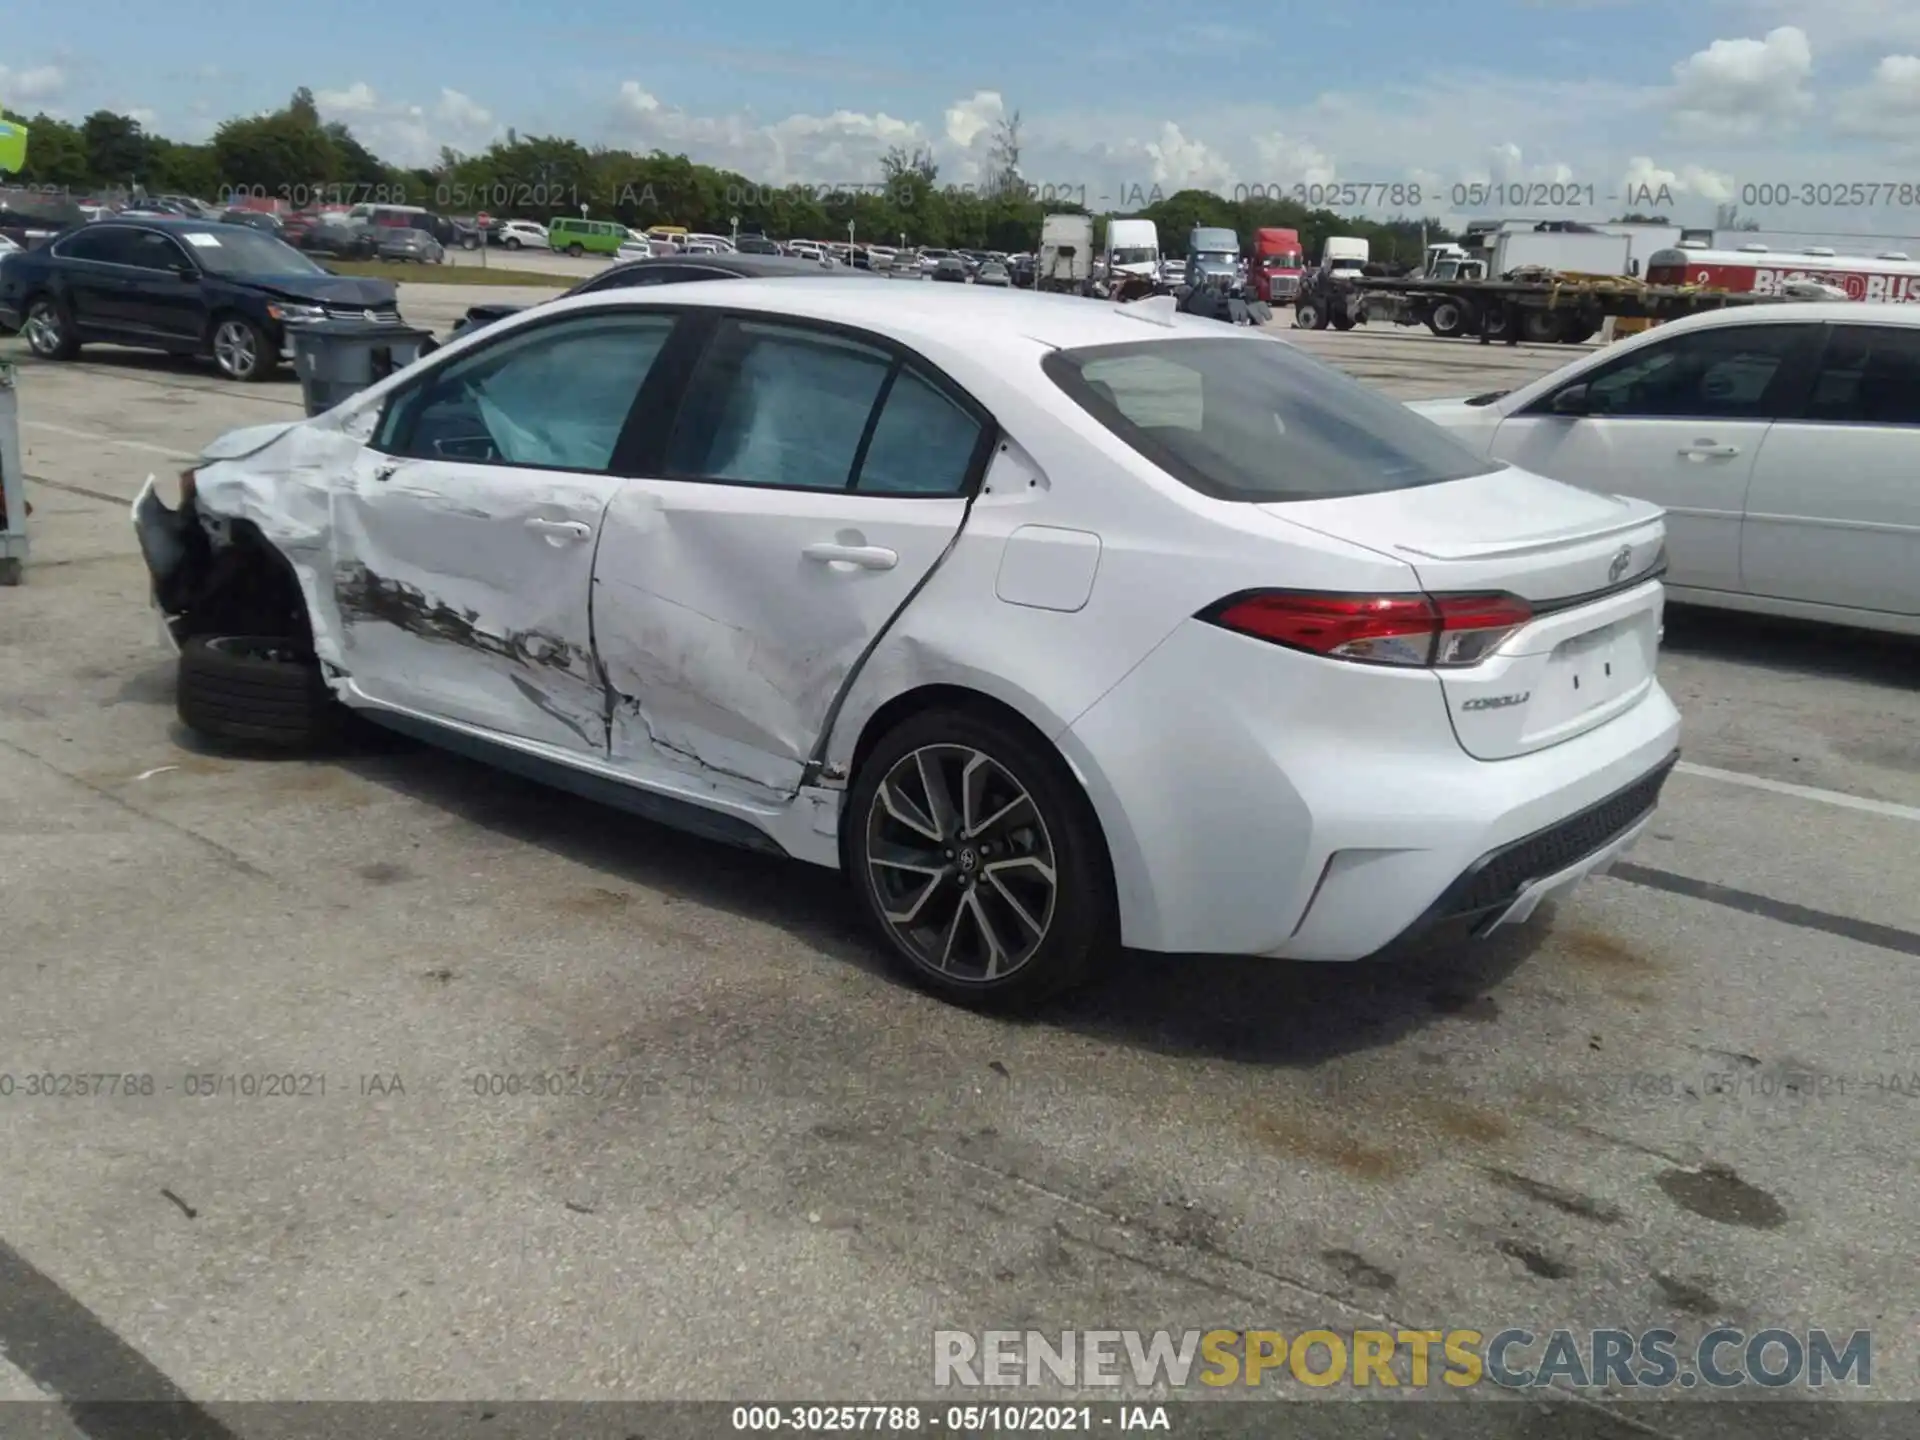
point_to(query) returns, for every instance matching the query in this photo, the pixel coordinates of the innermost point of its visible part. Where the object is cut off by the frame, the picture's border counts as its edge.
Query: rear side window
(1869, 375)
(778, 405)
(1241, 418)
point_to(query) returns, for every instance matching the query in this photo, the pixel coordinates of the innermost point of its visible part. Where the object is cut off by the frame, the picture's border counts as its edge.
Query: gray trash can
(336, 359)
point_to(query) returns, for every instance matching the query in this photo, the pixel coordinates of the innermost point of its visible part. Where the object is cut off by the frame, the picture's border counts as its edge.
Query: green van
(576, 236)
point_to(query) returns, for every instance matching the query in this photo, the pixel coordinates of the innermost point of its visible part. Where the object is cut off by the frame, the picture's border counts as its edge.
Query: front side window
(1869, 375)
(150, 250)
(1721, 374)
(1256, 420)
(552, 396)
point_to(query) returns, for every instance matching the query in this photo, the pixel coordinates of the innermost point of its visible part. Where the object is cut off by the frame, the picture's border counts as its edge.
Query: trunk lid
(1587, 564)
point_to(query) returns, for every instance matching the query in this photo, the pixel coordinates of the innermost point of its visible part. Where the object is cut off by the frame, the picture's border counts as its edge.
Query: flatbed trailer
(1567, 308)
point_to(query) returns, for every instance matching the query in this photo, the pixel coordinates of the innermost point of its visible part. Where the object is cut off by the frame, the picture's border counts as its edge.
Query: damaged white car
(1055, 624)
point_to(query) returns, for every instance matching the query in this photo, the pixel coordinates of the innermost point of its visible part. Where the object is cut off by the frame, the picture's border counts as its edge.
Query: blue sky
(1589, 93)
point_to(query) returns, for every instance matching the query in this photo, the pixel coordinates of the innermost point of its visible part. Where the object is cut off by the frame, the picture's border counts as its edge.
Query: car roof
(983, 320)
(742, 266)
(172, 224)
(1804, 312)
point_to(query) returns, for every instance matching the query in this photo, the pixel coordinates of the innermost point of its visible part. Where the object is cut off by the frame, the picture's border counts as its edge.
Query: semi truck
(1066, 253)
(1274, 274)
(1133, 248)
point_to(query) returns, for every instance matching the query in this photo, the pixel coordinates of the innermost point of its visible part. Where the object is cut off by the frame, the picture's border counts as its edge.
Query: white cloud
(357, 99)
(1644, 182)
(1844, 24)
(21, 88)
(971, 120)
(840, 149)
(1887, 107)
(405, 133)
(1176, 162)
(1736, 89)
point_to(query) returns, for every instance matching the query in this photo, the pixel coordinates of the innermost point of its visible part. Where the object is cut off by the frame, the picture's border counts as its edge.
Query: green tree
(118, 151)
(280, 156)
(56, 153)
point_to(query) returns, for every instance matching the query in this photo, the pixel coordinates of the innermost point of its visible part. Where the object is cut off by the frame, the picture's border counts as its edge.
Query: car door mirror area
(1574, 401)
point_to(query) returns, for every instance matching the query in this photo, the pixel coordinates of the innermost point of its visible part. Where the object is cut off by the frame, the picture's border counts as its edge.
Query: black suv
(184, 286)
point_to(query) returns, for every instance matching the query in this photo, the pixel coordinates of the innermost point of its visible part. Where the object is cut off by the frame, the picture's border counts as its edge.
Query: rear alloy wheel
(257, 690)
(49, 333)
(241, 350)
(512, 243)
(979, 860)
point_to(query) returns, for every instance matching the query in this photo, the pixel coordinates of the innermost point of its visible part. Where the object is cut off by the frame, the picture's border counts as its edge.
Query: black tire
(1447, 318)
(576, 250)
(471, 242)
(512, 242)
(1342, 320)
(255, 690)
(1494, 323)
(1309, 315)
(1079, 923)
(54, 309)
(1578, 332)
(1541, 327)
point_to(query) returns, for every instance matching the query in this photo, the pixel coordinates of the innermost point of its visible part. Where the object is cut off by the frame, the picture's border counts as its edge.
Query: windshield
(1282, 260)
(240, 251)
(1135, 255)
(1214, 241)
(1257, 420)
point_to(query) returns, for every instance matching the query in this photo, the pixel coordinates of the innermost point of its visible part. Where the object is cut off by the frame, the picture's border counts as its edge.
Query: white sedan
(1055, 623)
(1783, 442)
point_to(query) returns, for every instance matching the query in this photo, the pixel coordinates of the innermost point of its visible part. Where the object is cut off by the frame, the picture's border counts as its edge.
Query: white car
(1783, 441)
(522, 235)
(1056, 623)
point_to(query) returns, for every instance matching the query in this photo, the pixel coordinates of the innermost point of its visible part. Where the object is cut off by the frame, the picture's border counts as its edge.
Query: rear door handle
(1707, 450)
(558, 530)
(867, 557)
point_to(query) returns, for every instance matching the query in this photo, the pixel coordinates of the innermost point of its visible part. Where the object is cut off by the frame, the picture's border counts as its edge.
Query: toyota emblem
(370, 315)
(1621, 561)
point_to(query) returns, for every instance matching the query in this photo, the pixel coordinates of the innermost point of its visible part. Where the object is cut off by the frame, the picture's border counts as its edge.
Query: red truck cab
(1274, 273)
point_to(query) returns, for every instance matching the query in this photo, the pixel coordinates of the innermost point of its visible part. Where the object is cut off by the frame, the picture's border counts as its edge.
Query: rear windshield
(1242, 418)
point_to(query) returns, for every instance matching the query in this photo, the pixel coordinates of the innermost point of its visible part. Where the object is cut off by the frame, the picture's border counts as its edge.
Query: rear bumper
(1259, 802)
(1507, 884)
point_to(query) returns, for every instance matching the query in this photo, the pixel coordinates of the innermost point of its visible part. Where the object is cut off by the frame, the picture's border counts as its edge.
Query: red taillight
(1421, 630)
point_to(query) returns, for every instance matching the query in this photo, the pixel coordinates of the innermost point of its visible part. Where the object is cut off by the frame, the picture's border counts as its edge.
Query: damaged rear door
(464, 537)
(812, 482)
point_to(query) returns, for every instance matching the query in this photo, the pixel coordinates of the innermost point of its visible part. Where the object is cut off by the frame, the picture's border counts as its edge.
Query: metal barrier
(13, 483)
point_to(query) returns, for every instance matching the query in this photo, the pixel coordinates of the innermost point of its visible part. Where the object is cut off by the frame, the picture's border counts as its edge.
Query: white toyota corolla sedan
(1054, 623)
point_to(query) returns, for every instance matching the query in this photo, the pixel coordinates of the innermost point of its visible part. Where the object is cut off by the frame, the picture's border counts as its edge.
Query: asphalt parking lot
(1689, 1097)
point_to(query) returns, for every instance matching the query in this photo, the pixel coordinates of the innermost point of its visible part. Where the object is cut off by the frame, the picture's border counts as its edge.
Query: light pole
(736, 231)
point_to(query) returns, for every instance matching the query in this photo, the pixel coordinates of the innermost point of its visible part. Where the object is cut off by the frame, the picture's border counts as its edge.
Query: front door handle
(559, 530)
(1707, 450)
(867, 557)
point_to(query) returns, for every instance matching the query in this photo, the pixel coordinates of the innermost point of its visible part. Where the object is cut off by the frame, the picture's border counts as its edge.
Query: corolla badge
(1498, 702)
(1621, 560)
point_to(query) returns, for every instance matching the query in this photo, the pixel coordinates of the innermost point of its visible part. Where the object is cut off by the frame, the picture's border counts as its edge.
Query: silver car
(396, 242)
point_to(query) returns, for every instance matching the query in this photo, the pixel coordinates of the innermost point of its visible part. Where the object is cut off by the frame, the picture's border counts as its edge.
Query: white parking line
(139, 445)
(1804, 792)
